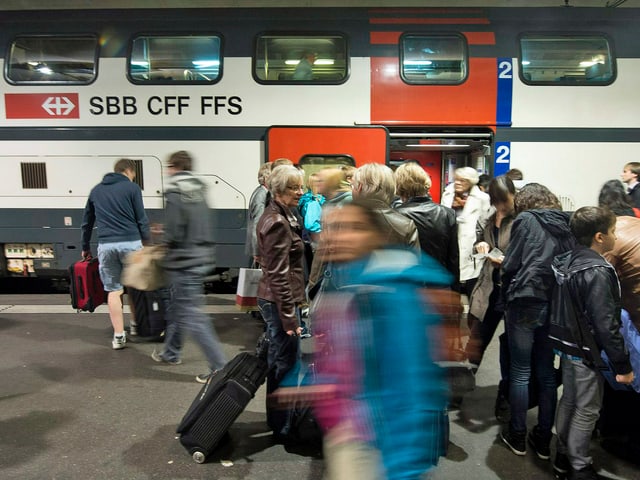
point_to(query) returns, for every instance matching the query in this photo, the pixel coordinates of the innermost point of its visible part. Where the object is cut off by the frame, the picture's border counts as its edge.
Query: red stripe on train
(392, 38)
(429, 21)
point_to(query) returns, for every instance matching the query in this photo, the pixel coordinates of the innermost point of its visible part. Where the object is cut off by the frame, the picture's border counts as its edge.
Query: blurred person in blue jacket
(386, 416)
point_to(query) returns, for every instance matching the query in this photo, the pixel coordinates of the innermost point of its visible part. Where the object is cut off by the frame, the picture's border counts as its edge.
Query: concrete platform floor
(73, 408)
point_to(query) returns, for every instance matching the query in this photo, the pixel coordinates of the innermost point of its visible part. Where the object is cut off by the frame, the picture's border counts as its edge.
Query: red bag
(87, 291)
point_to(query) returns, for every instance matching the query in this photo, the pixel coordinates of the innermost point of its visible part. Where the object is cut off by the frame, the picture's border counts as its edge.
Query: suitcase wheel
(198, 456)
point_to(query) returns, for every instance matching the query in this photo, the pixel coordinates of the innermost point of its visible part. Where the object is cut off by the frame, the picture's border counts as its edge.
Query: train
(550, 91)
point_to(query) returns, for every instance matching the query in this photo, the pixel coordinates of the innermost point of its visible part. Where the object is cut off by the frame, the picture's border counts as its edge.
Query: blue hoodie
(115, 206)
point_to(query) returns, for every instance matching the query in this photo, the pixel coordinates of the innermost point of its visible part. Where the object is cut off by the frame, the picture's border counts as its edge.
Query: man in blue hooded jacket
(115, 207)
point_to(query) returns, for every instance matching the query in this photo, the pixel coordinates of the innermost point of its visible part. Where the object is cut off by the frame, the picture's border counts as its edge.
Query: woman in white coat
(472, 207)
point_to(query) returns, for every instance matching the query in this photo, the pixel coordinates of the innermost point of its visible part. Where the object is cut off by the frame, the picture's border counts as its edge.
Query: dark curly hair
(534, 196)
(613, 196)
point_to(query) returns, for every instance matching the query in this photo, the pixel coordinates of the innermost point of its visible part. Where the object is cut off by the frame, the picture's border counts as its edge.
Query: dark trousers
(481, 335)
(281, 357)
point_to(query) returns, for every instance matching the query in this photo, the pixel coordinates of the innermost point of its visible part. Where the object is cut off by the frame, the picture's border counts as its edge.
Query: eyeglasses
(296, 188)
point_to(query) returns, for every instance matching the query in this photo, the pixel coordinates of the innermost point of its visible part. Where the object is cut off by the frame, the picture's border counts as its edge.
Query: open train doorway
(441, 151)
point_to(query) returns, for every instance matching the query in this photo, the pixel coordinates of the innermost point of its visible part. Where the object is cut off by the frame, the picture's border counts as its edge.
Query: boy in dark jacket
(585, 319)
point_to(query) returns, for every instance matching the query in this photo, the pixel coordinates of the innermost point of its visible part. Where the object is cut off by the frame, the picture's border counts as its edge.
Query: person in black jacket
(585, 319)
(539, 233)
(115, 206)
(436, 224)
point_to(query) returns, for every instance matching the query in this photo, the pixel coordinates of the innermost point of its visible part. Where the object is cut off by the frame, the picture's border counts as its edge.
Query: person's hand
(625, 379)
(291, 333)
(482, 247)
(86, 255)
(496, 261)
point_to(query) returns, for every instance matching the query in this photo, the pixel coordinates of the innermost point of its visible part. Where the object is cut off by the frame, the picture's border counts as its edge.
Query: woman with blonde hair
(436, 224)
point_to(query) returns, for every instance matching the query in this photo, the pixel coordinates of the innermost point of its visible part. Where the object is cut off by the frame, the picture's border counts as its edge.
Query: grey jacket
(188, 231)
(257, 203)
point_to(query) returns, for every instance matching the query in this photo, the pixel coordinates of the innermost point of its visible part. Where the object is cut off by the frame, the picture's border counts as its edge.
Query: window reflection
(175, 59)
(433, 59)
(300, 59)
(48, 59)
(566, 60)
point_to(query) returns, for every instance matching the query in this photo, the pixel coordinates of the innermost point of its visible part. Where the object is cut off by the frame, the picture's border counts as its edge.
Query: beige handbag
(143, 269)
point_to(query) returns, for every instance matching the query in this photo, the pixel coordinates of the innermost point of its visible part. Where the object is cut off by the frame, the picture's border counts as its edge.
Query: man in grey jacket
(188, 236)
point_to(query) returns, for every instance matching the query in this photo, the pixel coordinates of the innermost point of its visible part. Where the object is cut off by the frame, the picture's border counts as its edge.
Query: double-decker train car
(550, 91)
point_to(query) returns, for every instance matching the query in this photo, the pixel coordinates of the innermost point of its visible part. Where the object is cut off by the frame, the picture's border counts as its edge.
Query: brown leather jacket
(625, 258)
(281, 259)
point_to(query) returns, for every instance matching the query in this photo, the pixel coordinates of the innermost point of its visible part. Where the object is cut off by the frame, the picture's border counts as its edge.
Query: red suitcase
(87, 291)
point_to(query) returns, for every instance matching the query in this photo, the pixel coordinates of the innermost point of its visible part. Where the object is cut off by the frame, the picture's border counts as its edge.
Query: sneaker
(118, 342)
(502, 409)
(204, 377)
(540, 442)
(586, 473)
(514, 440)
(160, 359)
(561, 465)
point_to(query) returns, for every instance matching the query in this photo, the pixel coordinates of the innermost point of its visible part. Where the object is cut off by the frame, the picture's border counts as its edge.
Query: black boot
(540, 441)
(516, 441)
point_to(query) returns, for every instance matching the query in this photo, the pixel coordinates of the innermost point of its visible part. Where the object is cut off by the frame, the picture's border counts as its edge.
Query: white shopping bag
(247, 292)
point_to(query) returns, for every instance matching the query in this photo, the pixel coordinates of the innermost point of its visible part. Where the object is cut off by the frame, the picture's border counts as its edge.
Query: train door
(441, 151)
(314, 148)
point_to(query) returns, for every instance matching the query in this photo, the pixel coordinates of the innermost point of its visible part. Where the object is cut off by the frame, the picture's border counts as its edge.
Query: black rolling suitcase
(149, 314)
(220, 401)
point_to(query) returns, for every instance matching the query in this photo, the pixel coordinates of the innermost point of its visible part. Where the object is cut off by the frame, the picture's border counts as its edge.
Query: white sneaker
(119, 342)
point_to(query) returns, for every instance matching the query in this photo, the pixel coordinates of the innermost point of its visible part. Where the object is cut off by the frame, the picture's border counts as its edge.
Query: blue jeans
(282, 356)
(528, 336)
(185, 315)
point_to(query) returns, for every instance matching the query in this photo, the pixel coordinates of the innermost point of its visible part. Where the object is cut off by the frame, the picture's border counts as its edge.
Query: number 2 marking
(502, 152)
(505, 68)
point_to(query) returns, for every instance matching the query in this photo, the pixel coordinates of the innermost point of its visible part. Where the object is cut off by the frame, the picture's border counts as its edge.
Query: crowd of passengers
(368, 254)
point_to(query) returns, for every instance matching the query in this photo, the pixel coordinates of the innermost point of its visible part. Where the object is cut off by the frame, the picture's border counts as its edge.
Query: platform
(73, 408)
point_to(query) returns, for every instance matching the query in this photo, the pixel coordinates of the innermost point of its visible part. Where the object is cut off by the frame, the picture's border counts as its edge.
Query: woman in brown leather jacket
(625, 255)
(281, 287)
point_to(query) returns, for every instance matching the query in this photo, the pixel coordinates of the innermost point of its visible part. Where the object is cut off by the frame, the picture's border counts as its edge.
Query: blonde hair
(280, 161)
(412, 181)
(263, 173)
(348, 172)
(374, 181)
(334, 179)
(312, 183)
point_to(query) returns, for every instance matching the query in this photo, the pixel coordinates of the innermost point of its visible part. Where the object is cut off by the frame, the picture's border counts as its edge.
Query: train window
(34, 174)
(566, 60)
(139, 179)
(295, 59)
(188, 59)
(439, 59)
(47, 59)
